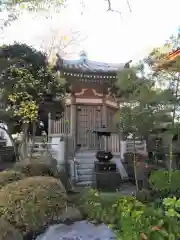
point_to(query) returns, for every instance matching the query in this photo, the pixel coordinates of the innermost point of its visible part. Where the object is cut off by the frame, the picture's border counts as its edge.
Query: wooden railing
(140, 146)
(62, 125)
(40, 149)
(115, 146)
(114, 143)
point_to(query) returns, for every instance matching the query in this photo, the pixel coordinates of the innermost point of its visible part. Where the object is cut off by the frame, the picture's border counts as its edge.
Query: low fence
(40, 149)
(117, 146)
(54, 146)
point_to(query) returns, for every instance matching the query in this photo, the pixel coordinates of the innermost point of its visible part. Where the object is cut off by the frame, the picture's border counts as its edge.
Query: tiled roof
(86, 65)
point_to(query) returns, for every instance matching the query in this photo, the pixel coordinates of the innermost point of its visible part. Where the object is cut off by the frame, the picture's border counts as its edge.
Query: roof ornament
(59, 58)
(83, 55)
(127, 65)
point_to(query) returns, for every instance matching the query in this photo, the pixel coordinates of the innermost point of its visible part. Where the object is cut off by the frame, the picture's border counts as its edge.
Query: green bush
(10, 176)
(175, 182)
(8, 232)
(33, 202)
(103, 208)
(159, 182)
(36, 169)
(144, 196)
(95, 207)
(129, 218)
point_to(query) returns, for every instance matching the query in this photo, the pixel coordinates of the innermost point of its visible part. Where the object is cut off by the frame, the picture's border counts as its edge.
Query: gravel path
(127, 189)
(84, 230)
(81, 230)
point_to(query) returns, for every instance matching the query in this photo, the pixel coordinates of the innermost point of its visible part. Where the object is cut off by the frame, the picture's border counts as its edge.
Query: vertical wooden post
(104, 122)
(104, 113)
(73, 122)
(49, 124)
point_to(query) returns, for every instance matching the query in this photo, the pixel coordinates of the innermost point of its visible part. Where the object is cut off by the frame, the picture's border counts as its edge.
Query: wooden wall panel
(88, 118)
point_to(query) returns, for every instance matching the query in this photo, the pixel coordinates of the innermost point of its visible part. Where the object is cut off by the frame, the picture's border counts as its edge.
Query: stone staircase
(85, 167)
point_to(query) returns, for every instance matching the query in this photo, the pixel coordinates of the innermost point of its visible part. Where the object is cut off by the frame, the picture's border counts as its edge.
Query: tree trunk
(23, 147)
(173, 122)
(134, 162)
(33, 139)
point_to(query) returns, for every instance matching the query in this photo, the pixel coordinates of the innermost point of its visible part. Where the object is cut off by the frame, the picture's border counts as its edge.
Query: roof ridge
(87, 65)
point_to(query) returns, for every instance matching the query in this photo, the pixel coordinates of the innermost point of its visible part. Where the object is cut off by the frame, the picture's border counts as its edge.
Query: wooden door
(88, 118)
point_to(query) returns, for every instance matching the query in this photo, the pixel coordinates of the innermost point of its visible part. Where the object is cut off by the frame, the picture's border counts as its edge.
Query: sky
(105, 36)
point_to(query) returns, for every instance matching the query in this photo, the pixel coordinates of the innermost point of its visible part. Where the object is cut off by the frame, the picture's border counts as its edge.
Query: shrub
(144, 196)
(129, 218)
(8, 232)
(101, 208)
(159, 181)
(32, 203)
(175, 182)
(10, 176)
(96, 207)
(36, 169)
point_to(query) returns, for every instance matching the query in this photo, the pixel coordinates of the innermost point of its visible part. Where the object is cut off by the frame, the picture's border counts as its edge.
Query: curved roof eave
(86, 65)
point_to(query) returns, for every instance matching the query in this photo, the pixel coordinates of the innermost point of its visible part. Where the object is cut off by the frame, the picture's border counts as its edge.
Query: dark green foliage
(159, 182)
(28, 82)
(32, 203)
(130, 219)
(107, 209)
(143, 105)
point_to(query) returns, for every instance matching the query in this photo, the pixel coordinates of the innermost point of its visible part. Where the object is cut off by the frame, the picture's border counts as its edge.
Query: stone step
(84, 183)
(92, 158)
(85, 158)
(82, 178)
(85, 166)
(85, 155)
(85, 162)
(85, 171)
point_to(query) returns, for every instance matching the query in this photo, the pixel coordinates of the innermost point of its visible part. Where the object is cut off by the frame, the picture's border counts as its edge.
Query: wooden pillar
(73, 121)
(104, 122)
(49, 124)
(104, 113)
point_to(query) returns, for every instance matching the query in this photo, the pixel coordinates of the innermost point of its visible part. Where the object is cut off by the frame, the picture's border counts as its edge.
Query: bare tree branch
(63, 44)
(110, 9)
(129, 5)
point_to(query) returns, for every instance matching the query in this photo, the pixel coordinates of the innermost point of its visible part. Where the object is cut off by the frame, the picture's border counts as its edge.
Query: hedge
(8, 232)
(36, 169)
(10, 176)
(32, 203)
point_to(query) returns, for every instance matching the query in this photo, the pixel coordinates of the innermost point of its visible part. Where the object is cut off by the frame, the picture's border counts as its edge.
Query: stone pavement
(81, 230)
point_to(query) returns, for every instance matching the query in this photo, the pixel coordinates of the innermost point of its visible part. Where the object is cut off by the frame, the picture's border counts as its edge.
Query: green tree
(168, 77)
(29, 86)
(142, 105)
